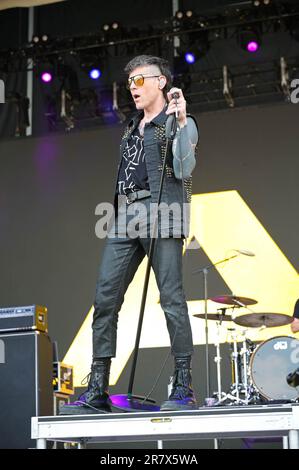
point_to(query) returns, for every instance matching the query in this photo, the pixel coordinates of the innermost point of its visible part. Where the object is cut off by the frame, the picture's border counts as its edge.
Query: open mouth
(136, 96)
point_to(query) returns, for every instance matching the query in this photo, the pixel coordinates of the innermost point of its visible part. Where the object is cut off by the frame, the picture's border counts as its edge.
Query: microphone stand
(204, 271)
(130, 402)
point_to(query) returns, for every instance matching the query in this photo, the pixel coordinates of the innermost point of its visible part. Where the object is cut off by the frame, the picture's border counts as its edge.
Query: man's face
(145, 96)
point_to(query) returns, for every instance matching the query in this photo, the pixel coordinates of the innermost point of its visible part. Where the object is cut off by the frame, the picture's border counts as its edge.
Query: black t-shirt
(296, 310)
(132, 174)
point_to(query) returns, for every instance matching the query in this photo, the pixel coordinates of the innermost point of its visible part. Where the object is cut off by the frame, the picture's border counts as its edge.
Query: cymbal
(233, 300)
(214, 316)
(263, 319)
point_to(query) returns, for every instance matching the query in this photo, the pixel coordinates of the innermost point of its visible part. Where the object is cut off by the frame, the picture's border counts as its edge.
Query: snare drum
(270, 364)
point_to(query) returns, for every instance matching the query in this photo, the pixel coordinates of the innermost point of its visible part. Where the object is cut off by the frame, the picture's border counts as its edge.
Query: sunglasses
(139, 79)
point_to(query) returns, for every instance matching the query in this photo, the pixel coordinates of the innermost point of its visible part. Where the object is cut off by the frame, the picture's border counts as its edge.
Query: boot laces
(85, 380)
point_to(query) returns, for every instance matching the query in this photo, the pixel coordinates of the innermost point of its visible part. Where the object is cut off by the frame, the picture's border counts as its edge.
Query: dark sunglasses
(139, 79)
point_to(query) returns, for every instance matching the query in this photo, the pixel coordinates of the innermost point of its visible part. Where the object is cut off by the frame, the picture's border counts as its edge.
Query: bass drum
(270, 364)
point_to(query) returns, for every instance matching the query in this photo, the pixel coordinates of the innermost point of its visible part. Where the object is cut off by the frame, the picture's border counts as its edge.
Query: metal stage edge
(204, 423)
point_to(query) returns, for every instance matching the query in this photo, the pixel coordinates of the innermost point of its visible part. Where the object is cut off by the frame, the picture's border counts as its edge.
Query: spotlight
(44, 38)
(190, 58)
(249, 40)
(46, 70)
(95, 74)
(179, 15)
(252, 46)
(194, 47)
(46, 77)
(113, 31)
(259, 3)
(92, 65)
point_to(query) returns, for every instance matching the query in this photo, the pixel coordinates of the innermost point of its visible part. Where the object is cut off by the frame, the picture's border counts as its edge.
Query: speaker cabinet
(26, 385)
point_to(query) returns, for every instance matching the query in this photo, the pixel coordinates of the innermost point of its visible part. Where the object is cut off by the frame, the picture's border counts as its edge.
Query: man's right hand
(295, 325)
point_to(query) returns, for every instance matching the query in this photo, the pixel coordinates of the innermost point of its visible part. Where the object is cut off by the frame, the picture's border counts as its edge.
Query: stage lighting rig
(46, 71)
(112, 32)
(285, 79)
(261, 3)
(184, 15)
(249, 38)
(40, 40)
(227, 87)
(92, 65)
(193, 46)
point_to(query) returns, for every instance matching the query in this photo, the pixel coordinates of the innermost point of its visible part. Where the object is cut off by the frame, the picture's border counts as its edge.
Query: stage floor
(204, 423)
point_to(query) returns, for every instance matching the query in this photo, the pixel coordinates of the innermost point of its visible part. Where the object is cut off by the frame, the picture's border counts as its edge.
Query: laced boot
(182, 396)
(96, 396)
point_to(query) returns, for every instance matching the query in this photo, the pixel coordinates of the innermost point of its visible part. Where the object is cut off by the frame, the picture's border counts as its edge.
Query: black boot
(182, 396)
(96, 396)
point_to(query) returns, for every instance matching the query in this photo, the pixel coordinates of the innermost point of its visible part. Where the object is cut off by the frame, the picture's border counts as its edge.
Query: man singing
(142, 153)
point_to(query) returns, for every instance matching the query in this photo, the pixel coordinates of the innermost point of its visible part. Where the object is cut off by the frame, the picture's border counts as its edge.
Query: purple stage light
(252, 46)
(189, 58)
(95, 74)
(46, 77)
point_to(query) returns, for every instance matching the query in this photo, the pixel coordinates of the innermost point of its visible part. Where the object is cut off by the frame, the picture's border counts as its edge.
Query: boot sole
(176, 407)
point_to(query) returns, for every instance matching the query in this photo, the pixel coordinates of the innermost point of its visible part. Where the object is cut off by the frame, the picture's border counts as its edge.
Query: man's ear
(162, 82)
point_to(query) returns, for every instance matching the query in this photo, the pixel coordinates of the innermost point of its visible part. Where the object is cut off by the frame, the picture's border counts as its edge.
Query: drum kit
(258, 371)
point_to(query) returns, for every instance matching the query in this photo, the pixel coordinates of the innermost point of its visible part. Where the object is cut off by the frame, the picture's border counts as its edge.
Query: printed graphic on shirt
(132, 174)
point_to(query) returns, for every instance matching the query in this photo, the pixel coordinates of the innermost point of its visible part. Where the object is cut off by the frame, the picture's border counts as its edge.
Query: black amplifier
(31, 317)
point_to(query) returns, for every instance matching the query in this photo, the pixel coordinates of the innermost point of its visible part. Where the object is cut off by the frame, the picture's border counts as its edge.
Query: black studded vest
(154, 148)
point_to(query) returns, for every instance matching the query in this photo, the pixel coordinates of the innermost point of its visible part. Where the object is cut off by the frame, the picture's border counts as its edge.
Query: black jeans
(121, 257)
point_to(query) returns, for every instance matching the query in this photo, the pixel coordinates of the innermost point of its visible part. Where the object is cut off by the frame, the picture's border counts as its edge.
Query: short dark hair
(143, 60)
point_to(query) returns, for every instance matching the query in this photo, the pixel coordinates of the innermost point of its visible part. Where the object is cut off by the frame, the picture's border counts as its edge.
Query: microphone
(245, 252)
(175, 96)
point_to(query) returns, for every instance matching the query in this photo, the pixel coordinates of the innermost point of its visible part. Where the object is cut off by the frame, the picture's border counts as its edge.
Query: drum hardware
(240, 383)
(239, 358)
(242, 391)
(204, 272)
(217, 359)
(293, 378)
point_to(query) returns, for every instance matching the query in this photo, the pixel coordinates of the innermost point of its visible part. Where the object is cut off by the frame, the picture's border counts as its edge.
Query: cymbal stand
(221, 395)
(236, 371)
(236, 386)
(217, 359)
(204, 271)
(244, 355)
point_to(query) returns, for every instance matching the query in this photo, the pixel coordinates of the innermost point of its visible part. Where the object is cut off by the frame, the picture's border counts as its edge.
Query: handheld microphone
(175, 96)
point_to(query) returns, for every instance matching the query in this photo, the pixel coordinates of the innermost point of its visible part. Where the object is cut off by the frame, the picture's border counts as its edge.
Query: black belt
(134, 196)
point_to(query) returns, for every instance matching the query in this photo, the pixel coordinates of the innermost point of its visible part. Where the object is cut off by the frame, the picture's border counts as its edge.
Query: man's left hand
(178, 105)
